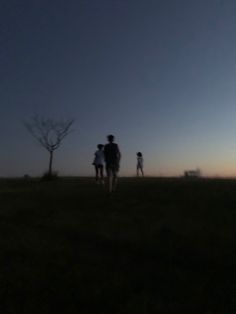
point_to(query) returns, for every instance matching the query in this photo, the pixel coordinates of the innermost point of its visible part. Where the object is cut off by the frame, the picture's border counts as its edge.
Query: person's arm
(105, 153)
(118, 153)
(94, 159)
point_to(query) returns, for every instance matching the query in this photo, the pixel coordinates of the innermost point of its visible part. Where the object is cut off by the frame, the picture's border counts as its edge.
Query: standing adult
(112, 159)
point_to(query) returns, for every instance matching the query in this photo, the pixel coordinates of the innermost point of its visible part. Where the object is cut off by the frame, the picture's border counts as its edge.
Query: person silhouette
(140, 163)
(112, 160)
(99, 164)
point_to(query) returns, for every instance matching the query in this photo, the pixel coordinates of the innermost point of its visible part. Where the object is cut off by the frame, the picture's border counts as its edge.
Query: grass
(155, 246)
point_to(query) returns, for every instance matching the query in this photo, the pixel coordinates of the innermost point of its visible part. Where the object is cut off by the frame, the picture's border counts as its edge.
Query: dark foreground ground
(156, 246)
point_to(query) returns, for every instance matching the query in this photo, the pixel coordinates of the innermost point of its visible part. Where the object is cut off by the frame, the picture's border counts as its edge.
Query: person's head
(139, 154)
(100, 146)
(110, 138)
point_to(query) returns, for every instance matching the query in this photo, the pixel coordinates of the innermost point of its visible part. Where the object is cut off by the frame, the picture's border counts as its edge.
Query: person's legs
(142, 171)
(96, 173)
(101, 174)
(112, 171)
(109, 178)
(110, 181)
(139, 170)
(114, 179)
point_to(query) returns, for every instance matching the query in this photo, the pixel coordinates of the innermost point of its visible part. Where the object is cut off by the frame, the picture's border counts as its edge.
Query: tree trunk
(50, 163)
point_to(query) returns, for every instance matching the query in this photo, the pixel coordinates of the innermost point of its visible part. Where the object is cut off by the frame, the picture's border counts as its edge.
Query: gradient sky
(158, 74)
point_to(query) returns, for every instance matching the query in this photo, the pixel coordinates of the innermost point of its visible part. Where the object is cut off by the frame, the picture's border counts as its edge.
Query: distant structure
(192, 173)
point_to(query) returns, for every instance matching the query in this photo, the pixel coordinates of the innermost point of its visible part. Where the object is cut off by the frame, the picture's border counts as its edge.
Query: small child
(99, 164)
(140, 163)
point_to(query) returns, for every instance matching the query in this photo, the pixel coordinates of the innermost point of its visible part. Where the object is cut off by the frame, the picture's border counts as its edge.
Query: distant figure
(140, 163)
(112, 159)
(99, 164)
(192, 173)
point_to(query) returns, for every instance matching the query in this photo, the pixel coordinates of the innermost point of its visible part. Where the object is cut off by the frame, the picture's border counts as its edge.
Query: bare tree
(49, 133)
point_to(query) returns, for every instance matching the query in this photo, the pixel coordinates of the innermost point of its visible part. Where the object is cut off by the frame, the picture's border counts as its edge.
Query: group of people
(110, 156)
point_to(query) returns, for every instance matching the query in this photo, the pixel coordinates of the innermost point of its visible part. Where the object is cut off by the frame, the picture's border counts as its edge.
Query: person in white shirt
(140, 163)
(99, 164)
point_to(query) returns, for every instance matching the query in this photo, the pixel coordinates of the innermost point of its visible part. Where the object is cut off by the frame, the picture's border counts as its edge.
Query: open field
(155, 246)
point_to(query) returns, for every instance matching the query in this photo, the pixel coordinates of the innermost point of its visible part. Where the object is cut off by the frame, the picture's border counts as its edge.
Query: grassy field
(155, 246)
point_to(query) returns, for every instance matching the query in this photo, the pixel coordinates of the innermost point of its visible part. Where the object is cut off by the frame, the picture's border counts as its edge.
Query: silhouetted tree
(49, 133)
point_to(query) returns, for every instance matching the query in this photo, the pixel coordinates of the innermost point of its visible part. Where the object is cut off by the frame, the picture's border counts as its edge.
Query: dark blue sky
(159, 74)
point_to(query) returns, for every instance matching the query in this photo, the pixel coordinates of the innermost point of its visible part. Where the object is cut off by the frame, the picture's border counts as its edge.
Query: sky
(158, 74)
